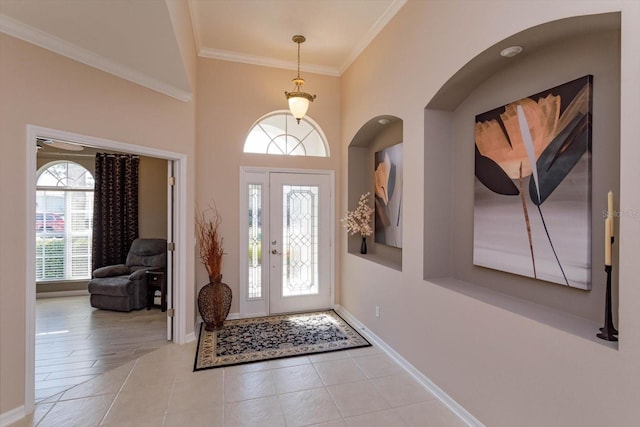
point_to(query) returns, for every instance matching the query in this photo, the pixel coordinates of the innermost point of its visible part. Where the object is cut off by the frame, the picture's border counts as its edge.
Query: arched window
(64, 217)
(278, 133)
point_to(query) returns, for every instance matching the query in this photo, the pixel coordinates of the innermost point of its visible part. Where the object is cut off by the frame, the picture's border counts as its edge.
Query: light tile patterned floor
(361, 387)
(76, 342)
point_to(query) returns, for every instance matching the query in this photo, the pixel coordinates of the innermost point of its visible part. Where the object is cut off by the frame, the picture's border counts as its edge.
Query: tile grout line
(45, 415)
(104, 417)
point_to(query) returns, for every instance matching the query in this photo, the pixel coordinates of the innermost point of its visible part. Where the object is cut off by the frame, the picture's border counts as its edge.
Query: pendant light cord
(298, 59)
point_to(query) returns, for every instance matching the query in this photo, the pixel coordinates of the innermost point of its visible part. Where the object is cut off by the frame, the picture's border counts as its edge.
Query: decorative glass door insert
(299, 240)
(286, 242)
(254, 261)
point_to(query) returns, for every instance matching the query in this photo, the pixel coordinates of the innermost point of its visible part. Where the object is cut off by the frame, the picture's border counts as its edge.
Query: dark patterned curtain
(115, 208)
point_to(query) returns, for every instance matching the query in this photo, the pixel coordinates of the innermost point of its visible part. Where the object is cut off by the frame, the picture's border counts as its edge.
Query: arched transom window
(278, 133)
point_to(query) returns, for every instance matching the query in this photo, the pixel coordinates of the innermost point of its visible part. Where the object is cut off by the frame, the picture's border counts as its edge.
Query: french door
(286, 250)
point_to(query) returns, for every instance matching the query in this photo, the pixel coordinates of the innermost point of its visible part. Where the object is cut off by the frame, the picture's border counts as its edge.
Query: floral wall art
(533, 186)
(388, 196)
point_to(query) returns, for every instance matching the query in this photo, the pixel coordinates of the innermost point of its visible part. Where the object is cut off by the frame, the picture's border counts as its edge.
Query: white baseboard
(62, 294)
(443, 397)
(190, 337)
(12, 416)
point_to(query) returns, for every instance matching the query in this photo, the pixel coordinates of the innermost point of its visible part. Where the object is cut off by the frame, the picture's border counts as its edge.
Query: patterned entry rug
(274, 337)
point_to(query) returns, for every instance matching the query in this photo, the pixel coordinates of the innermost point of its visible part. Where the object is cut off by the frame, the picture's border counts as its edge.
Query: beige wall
(41, 88)
(231, 97)
(152, 198)
(505, 367)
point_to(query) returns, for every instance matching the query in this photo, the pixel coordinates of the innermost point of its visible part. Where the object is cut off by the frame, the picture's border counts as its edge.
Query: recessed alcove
(376, 134)
(554, 53)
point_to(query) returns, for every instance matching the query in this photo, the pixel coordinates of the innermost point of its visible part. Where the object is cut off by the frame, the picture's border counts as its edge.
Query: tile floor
(76, 342)
(361, 387)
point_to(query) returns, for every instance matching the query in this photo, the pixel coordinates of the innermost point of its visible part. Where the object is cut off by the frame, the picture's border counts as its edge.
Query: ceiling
(135, 40)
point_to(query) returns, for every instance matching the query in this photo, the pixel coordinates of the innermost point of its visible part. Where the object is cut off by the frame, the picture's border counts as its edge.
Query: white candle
(607, 241)
(610, 210)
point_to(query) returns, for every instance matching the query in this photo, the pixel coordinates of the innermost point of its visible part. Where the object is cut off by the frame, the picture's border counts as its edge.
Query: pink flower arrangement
(359, 220)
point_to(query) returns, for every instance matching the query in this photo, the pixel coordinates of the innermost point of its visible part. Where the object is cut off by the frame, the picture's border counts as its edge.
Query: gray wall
(361, 180)
(597, 54)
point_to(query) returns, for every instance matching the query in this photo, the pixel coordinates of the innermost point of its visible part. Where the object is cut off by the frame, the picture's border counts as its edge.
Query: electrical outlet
(377, 311)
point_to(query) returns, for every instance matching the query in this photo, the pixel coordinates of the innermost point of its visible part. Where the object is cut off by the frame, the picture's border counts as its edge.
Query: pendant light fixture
(299, 100)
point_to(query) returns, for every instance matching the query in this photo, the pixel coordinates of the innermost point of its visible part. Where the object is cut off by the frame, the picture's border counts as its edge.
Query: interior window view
(64, 215)
(340, 213)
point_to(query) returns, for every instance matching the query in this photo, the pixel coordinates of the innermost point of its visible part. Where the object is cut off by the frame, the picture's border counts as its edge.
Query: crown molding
(372, 33)
(57, 45)
(226, 55)
(195, 26)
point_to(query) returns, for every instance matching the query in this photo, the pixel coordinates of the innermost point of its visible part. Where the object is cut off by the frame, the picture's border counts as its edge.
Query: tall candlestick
(607, 241)
(610, 210)
(608, 331)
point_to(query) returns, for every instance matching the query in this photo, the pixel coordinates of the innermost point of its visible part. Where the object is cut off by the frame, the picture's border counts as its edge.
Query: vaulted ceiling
(135, 39)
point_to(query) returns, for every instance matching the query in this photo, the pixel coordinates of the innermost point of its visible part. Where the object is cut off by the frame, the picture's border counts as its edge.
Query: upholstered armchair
(123, 287)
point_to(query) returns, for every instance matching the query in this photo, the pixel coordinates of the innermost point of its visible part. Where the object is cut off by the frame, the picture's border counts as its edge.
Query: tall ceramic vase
(214, 303)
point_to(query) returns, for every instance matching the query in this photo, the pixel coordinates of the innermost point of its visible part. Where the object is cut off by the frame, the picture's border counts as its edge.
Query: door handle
(275, 252)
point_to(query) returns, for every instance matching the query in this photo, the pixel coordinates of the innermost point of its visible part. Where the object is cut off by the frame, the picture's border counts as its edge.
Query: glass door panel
(300, 242)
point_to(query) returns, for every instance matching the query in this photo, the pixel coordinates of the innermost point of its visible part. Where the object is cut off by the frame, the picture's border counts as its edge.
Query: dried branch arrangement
(210, 242)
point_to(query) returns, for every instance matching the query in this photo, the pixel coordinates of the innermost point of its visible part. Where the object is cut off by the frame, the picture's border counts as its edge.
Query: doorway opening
(175, 231)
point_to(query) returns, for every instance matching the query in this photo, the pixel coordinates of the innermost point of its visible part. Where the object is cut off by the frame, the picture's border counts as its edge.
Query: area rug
(274, 337)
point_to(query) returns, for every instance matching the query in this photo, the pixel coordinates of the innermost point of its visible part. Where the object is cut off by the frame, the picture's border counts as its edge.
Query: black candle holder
(608, 331)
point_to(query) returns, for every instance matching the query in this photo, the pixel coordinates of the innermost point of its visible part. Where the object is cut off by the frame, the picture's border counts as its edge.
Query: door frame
(179, 216)
(250, 175)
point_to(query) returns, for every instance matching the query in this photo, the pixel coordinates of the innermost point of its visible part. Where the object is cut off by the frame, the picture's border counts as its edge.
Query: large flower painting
(533, 186)
(388, 196)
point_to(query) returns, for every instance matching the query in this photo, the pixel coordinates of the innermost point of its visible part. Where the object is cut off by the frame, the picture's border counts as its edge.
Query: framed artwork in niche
(388, 196)
(532, 189)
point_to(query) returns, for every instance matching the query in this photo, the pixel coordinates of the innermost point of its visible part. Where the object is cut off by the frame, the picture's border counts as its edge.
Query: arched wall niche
(378, 133)
(554, 53)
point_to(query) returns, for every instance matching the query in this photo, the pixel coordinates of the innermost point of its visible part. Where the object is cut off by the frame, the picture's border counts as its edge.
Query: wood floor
(75, 342)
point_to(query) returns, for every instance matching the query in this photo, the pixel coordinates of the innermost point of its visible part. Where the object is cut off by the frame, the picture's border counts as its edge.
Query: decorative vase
(214, 303)
(363, 246)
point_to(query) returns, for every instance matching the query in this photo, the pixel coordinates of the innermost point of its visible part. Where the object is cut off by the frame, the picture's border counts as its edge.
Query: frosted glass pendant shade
(298, 106)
